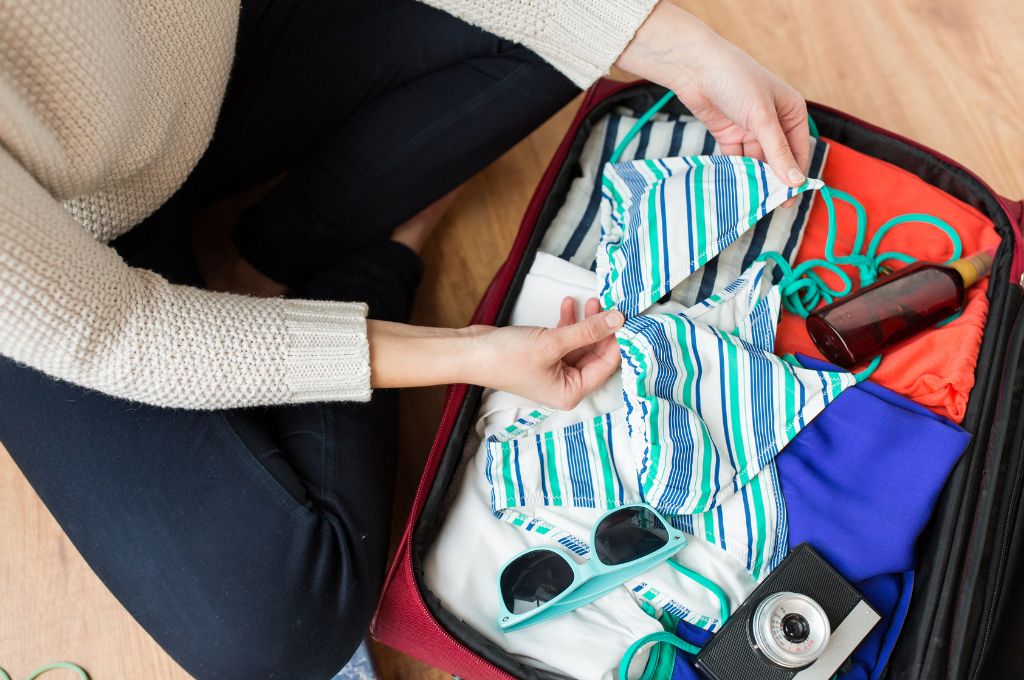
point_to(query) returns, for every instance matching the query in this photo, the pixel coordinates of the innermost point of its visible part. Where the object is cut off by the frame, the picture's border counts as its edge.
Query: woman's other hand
(556, 367)
(749, 110)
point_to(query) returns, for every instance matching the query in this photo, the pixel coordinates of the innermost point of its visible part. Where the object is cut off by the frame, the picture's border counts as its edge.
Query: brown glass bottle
(856, 328)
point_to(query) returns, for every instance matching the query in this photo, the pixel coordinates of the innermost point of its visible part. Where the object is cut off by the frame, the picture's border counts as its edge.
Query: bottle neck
(974, 267)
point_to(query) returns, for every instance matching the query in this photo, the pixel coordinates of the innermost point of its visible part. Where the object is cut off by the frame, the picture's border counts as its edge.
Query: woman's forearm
(402, 355)
(669, 47)
(552, 366)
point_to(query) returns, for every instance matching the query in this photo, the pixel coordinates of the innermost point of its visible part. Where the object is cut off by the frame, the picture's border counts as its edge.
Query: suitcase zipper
(1016, 266)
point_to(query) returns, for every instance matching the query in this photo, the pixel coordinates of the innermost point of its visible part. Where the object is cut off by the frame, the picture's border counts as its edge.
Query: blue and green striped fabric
(575, 230)
(536, 525)
(585, 465)
(707, 405)
(664, 219)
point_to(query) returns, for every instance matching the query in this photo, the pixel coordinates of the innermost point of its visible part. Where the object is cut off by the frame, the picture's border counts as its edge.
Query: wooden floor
(947, 72)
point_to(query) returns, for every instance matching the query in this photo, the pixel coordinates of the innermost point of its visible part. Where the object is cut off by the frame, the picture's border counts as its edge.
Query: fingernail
(614, 319)
(795, 176)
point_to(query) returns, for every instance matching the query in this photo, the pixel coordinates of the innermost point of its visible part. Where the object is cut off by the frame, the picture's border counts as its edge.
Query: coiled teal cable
(661, 637)
(50, 667)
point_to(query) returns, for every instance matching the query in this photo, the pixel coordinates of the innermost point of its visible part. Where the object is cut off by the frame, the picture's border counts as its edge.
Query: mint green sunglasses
(540, 584)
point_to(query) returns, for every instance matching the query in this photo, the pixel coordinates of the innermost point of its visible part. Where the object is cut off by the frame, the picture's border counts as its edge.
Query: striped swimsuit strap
(662, 602)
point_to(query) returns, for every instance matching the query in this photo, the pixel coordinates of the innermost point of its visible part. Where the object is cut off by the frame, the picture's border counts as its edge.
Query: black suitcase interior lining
(962, 598)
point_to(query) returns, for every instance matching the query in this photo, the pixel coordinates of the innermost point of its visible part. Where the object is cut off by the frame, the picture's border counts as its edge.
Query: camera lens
(791, 630)
(795, 628)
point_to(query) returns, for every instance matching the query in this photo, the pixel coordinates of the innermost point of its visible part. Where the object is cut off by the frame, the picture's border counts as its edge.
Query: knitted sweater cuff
(588, 38)
(328, 355)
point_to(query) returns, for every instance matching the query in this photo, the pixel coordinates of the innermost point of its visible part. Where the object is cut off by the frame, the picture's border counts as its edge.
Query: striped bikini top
(706, 403)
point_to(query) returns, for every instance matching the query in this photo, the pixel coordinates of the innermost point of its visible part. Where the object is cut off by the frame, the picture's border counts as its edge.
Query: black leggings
(252, 543)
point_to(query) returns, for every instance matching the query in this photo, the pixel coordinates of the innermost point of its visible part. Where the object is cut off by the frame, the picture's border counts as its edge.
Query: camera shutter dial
(790, 629)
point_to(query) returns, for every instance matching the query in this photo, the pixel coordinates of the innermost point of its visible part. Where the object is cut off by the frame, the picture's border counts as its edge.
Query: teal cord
(863, 375)
(50, 667)
(662, 636)
(654, 662)
(658, 106)
(803, 288)
(662, 658)
(723, 599)
(668, 638)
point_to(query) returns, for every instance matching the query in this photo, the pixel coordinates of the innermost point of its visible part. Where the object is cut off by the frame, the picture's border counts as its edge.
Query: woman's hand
(746, 107)
(556, 367)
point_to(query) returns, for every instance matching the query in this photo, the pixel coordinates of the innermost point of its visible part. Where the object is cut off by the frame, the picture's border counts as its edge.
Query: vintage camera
(803, 622)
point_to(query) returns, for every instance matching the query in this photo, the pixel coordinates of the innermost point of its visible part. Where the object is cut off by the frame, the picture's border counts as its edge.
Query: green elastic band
(657, 659)
(660, 637)
(50, 667)
(859, 377)
(658, 105)
(723, 599)
(662, 659)
(868, 370)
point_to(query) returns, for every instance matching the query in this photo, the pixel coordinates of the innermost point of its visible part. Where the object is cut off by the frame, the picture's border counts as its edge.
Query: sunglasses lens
(629, 534)
(534, 578)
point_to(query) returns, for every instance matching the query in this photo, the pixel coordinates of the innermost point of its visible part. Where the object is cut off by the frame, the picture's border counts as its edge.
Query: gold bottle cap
(974, 267)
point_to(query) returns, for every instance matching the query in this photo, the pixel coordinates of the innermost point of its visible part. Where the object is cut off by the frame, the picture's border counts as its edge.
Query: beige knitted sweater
(105, 108)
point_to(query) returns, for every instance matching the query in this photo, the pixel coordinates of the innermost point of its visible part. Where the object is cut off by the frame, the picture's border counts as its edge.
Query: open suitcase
(963, 620)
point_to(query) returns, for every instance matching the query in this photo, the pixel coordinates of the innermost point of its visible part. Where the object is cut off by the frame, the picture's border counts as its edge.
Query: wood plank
(949, 74)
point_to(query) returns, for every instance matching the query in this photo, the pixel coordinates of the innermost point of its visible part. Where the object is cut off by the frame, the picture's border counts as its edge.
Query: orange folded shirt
(935, 368)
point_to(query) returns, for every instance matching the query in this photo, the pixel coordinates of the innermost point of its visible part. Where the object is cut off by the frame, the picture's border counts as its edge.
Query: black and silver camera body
(802, 622)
